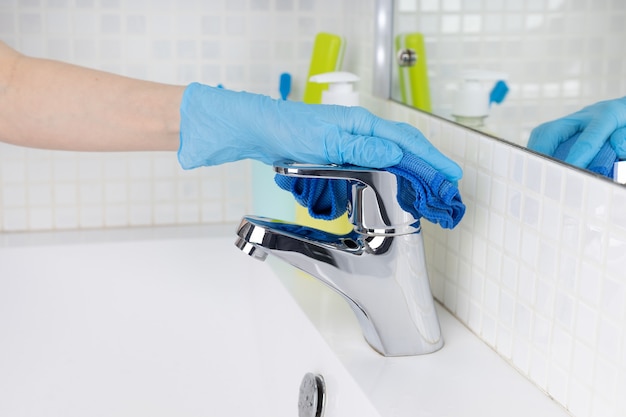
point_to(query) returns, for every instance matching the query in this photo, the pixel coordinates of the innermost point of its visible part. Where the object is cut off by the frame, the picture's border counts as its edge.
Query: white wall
(536, 267)
(243, 44)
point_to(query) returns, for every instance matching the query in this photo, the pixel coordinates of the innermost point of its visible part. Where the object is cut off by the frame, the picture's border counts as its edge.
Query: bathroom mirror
(556, 56)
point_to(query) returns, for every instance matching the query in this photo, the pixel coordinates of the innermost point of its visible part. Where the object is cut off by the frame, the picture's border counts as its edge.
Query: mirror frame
(383, 51)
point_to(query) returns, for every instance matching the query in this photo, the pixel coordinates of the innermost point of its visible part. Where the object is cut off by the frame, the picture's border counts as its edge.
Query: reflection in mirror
(554, 56)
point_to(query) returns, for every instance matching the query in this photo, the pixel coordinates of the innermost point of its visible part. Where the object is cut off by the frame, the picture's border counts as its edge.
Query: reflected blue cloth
(422, 191)
(325, 198)
(601, 164)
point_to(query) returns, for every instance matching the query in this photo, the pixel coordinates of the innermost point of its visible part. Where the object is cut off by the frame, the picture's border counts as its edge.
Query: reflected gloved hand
(219, 126)
(597, 123)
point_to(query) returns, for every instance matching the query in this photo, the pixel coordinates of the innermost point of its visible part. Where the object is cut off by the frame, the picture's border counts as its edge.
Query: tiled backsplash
(44, 190)
(242, 44)
(536, 267)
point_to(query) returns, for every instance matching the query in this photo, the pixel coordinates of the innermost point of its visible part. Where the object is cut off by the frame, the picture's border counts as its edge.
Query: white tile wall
(244, 44)
(535, 269)
(43, 190)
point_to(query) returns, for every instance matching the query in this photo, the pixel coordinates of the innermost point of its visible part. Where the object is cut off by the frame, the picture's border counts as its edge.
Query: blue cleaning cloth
(601, 164)
(422, 191)
(325, 198)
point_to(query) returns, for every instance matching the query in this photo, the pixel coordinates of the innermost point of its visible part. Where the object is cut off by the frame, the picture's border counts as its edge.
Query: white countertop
(464, 378)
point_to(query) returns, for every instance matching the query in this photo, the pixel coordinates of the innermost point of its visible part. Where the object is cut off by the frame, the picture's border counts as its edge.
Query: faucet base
(382, 278)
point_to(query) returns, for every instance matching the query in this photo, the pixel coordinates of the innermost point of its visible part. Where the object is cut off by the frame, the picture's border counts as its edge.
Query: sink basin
(178, 322)
(145, 326)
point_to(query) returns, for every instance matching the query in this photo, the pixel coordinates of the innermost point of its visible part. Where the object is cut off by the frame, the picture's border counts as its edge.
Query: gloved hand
(219, 126)
(597, 123)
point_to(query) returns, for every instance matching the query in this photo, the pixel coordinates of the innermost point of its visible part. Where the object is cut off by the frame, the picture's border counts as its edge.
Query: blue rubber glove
(618, 142)
(597, 123)
(219, 126)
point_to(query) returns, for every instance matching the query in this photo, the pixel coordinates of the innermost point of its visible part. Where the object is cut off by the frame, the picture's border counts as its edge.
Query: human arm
(596, 124)
(54, 105)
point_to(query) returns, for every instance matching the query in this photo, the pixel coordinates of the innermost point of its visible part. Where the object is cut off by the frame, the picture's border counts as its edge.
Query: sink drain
(312, 396)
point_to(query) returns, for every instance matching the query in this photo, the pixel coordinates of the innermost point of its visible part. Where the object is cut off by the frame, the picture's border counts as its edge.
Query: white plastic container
(340, 88)
(472, 101)
(619, 172)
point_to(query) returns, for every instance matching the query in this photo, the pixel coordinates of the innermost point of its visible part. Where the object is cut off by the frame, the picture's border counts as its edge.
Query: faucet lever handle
(331, 171)
(374, 209)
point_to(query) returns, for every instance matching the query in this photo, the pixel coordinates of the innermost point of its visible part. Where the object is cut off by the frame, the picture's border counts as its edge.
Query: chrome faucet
(379, 267)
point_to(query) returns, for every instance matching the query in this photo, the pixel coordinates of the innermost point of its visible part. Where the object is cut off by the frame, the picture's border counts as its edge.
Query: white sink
(179, 322)
(123, 325)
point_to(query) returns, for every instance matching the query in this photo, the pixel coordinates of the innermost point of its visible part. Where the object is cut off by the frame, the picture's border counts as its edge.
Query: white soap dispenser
(340, 90)
(478, 89)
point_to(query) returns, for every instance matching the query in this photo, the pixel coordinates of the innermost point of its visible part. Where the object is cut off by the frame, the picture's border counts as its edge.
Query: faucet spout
(382, 277)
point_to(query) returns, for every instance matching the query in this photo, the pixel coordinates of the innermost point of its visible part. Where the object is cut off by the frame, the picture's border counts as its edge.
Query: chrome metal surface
(374, 209)
(383, 42)
(406, 57)
(379, 268)
(312, 398)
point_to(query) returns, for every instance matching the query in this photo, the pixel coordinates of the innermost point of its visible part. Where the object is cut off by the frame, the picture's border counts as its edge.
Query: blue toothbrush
(285, 85)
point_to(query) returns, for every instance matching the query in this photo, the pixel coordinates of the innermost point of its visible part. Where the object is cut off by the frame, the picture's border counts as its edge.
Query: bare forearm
(49, 104)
